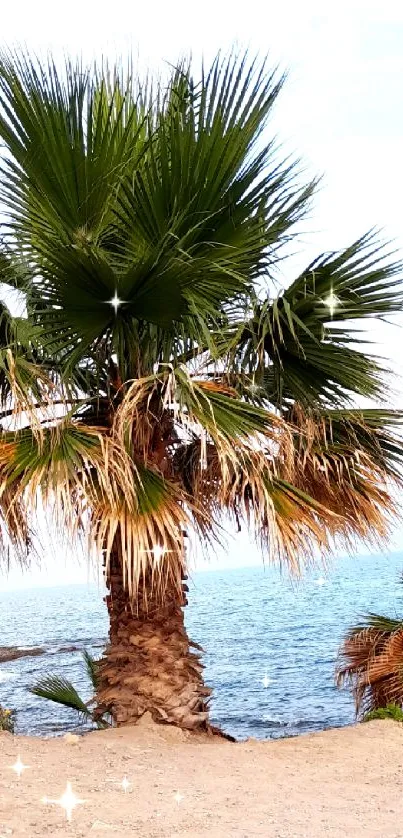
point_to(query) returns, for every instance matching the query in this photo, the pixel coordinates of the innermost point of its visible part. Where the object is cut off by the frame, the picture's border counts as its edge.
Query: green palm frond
(71, 468)
(172, 208)
(302, 346)
(71, 136)
(61, 691)
(382, 624)
(186, 408)
(91, 667)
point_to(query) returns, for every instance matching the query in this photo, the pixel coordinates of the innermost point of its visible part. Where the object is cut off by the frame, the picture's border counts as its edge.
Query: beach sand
(338, 783)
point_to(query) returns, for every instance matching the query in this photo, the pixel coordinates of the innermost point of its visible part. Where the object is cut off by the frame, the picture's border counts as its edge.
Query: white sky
(341, 111)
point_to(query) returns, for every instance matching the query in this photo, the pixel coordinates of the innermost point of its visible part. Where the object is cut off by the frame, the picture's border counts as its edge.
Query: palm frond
(68, 468)
(301, 346)
(61, 691)
(351, 466)
(70, 136)
(191, 407)
(377, 622)
(171, 208)
(371, 663)
(90, 485)
(91, 667)
(298, 483)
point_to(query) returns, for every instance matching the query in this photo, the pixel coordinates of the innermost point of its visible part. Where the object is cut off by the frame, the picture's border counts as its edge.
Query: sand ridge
(339, 783)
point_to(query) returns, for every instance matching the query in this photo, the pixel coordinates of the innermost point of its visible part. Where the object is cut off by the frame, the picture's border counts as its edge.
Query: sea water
(270, 643)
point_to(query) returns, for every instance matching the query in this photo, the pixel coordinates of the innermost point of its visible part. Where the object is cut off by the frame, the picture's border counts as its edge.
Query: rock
(146, 720)
(71, 739)
(61, 649)
(11, 653)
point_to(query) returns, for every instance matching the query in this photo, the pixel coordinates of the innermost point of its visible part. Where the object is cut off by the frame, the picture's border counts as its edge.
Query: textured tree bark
(150, 664)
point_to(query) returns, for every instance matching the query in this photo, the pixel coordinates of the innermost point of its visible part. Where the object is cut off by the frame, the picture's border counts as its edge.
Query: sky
(341, 111)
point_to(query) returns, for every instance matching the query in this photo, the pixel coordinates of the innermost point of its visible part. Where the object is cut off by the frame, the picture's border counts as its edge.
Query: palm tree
(163, 383)
(371, 663)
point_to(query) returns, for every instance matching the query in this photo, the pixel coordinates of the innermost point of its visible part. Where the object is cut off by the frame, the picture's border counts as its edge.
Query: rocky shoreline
(12, 653)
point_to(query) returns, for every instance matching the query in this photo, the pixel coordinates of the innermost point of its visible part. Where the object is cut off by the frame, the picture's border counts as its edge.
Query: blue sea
(270, 642)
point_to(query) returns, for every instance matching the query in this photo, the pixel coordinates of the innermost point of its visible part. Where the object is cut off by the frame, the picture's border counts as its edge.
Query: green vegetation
(61, 691)
(7, 720)
(163, 381)
(391, 711)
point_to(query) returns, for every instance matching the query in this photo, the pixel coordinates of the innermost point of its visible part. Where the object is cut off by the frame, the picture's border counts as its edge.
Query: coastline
(340, 782)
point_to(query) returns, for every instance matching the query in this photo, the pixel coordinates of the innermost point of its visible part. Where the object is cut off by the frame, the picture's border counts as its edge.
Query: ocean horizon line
(265, 566)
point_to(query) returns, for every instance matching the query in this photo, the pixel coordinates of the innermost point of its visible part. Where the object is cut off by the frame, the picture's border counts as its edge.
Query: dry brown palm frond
(298, 487)
(343, 466)
(197, 452)
(37, 401)
(150, 538)
(172, 407)
(355, 490)
(289, 525)
(293, 482)
(225, 459)
(92, 488)
(216, 385)
(371, 664)
(16, 534)
(386, 668)
(62, 468)
(34, 397)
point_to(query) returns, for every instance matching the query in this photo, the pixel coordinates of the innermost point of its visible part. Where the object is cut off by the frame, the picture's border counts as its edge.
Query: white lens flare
(115, 302)
(19, 767)
(68, 801)
(125, 784)
(332, 302)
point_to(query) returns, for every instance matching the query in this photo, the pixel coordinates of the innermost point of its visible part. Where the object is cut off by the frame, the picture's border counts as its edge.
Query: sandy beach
(339, 783)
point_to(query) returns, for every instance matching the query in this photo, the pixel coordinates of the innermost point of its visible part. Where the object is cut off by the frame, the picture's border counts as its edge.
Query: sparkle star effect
(19, 767)
(331, 302)
(266, 681)
(178, 797)
(254, 388)
(158, 552)
(115, 302)
(68, 801)
(125, 784)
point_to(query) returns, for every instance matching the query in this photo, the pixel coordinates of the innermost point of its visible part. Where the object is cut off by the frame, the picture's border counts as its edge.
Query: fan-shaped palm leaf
(137, 204)
(91, 667)
(301, 345)
(371, 663)
(61, 691)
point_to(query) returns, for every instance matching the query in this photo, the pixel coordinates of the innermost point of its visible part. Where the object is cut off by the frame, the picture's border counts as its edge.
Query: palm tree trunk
(150, 664)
